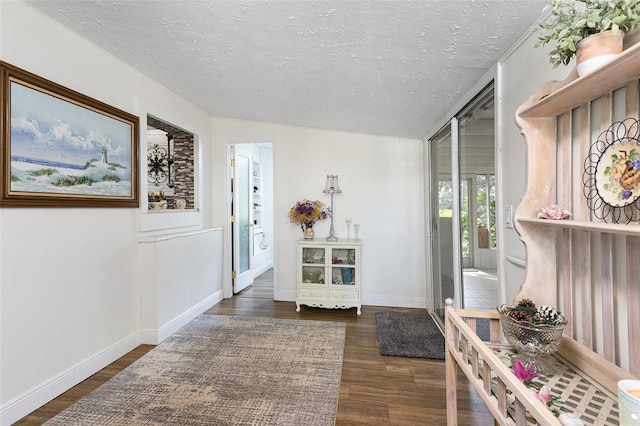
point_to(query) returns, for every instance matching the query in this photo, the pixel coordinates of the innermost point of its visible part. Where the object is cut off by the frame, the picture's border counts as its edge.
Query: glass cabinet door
(343, 270)
(313, 263)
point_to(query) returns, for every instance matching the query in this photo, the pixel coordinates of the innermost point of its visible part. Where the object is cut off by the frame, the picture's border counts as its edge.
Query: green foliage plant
(73, 180)
(574, 20)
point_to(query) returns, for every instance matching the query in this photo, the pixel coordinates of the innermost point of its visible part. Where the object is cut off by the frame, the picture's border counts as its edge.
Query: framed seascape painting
(63, 149)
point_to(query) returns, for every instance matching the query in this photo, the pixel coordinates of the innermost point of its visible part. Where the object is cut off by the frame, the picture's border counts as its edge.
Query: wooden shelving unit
(586, 268)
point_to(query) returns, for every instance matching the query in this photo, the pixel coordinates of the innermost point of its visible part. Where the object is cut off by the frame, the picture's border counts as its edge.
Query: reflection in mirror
(170, 166)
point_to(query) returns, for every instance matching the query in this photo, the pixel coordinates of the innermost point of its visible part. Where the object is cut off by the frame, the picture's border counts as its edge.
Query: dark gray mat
(410, 335)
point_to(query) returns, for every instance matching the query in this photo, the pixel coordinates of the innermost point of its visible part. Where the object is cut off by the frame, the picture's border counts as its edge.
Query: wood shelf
(609, 228)
(624, 68)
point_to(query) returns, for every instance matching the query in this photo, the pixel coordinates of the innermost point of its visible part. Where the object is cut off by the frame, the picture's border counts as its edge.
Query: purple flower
(626, 194)
(524, 373)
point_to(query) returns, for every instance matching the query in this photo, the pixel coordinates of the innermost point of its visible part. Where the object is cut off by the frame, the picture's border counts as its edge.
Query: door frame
(227, 270)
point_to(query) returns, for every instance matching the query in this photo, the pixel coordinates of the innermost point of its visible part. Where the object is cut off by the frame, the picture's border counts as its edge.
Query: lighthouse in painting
(104, 156)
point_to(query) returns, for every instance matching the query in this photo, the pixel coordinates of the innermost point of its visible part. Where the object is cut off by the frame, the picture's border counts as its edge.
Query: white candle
(570, 419)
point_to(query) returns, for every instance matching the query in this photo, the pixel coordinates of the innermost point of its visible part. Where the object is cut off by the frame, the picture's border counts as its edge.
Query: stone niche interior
(170, 167)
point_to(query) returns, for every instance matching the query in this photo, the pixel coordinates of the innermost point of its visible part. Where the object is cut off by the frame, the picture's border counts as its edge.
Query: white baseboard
(154, 337)
(34, 398)
(262, 269)
(399, 302)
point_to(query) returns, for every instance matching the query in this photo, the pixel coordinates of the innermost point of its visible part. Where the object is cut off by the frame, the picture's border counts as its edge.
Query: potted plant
(574, 24)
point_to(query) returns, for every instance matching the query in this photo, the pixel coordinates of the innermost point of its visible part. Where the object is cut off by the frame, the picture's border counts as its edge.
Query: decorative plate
(612, 173)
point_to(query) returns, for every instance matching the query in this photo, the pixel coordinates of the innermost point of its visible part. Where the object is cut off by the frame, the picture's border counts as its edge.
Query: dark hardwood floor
(375, 389)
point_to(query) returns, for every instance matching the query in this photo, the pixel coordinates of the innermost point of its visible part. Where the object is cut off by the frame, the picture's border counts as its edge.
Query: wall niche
(170, 167)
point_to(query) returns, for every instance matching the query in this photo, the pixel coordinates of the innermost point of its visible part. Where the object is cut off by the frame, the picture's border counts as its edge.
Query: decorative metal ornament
(159, 162)
(611, 175)
(157, 165)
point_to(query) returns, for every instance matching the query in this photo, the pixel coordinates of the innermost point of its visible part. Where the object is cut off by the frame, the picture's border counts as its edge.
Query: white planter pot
(598, 50)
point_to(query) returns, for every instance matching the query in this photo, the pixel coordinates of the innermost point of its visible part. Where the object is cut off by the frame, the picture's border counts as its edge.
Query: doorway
(462, 209)
(252, 224)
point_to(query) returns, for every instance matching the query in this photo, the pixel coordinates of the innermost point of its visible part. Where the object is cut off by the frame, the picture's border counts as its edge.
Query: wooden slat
(494, 331)
(632, 109)
(606, 289)
(632, 106)
(592, 364)
(566, 200)
(582, 246)
(451, 340)
(633, 302)
(503, 373)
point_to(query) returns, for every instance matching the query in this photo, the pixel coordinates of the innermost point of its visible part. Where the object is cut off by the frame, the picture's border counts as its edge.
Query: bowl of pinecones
(534, 330)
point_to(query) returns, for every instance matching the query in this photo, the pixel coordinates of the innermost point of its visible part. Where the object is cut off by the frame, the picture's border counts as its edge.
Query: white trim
(170, 219)
(429, 221)
(154, 337)
(262, 269)
(486, 79)
(400, 302)
(455, 179)
(498, 91)
(171, 236)
(516, 261)
(39, 395)
(227, 281)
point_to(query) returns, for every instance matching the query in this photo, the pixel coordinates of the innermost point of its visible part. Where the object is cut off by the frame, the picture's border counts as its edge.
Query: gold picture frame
(61, 148)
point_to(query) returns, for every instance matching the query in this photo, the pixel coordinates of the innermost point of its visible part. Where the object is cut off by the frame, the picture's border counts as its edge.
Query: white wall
(70, 278)
(382, 190)
(521, 73)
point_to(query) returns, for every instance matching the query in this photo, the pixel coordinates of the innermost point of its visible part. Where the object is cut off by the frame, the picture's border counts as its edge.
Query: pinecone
(547, 315)
(526, 303)
(518, 315)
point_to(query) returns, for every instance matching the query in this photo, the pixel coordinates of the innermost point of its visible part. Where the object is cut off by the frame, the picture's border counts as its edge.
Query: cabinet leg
(359, 310)
(297, 308)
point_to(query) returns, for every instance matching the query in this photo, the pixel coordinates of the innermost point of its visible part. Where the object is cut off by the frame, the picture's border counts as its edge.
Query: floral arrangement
(526, 375)
(305, 213)
(554, 212)
(527, 311)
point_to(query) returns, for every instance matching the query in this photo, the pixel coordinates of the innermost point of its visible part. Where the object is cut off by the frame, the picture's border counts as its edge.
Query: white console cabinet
(328, 274)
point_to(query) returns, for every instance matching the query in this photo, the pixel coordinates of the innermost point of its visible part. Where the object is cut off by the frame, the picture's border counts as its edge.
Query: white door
(242, 226)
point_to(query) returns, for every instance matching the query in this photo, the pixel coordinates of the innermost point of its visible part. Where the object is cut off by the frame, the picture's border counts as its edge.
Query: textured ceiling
(375, 67)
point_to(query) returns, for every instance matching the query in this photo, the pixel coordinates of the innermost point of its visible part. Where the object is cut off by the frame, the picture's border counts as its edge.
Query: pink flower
(544, 394)
(554, 212)
(524, 373)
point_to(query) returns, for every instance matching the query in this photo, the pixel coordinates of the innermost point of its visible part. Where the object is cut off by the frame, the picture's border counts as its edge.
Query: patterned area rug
(225, 370)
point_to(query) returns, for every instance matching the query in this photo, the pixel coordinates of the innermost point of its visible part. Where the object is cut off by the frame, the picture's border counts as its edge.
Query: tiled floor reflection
(480, 289)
